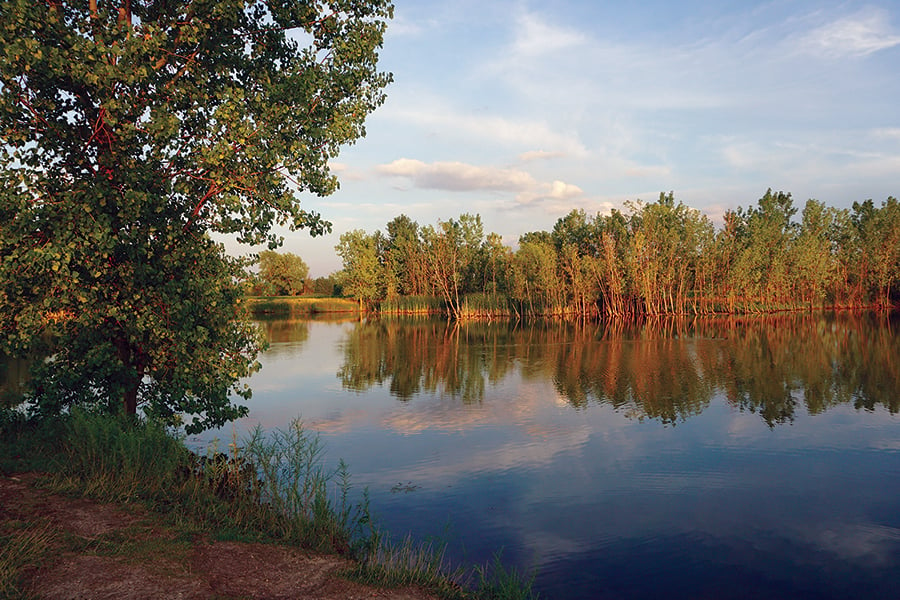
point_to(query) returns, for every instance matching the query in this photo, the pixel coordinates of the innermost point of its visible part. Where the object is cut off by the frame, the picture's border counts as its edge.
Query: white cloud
(450, 123)
(890, 133)
(462, 177)
(536, 38)
(402, 26)
(539, 155)
(578, 73)
(559, 190)
(345, 172)
(858, 35)
(457, 176)
(555, 192)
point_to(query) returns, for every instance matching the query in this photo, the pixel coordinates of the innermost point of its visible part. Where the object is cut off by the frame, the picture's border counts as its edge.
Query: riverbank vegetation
(658, 258)
(297, 306)
(271, 488)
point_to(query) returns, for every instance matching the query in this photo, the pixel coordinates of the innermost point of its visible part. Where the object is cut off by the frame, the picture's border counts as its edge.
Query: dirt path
(100, 551)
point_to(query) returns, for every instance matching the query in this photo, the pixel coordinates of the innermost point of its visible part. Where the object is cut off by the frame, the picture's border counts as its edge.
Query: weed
(21, 547)
(495, 581)
(295, 485)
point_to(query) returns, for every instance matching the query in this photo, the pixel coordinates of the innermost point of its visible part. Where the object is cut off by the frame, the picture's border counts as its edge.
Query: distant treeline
(652, 259)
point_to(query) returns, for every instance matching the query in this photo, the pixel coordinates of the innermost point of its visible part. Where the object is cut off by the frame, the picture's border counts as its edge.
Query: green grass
(272, 487)
(497, 582)
(22, 546)
(408, 562)
(289, 306)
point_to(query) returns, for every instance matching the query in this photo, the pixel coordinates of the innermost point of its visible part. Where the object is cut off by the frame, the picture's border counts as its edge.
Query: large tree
(133, 128)
(361, 273)
(282, 273)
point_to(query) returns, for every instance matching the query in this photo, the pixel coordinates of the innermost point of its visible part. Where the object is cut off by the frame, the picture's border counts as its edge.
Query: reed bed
(412, 305)
(295, 306)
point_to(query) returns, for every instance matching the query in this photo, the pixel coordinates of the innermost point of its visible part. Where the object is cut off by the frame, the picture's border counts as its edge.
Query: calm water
(751, 458)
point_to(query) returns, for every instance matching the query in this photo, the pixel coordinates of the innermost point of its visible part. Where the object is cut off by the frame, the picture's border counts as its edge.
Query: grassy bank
(297, 306)
(272, 489)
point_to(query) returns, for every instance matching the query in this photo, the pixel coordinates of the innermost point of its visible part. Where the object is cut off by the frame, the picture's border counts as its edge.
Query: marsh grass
(120, 459)
(411, 562)
(28, 445)
(412, 305)
(480, 306)
(272, 488)
(289, 306)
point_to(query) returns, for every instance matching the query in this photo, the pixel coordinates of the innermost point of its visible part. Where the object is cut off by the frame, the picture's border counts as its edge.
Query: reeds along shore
(294, 306)
(489, 307)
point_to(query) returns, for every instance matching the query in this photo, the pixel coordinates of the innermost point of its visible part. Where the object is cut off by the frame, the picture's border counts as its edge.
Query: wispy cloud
(651, 171)
(858, 35)
(539, 155)
(890, 133)
(535, 37)
(457, 176)
(402, 26)
(523, 134)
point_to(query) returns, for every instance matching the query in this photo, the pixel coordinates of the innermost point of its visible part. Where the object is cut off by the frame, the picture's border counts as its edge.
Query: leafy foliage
(658, 258)
(132, 129)
(359, 278)
(282, 274)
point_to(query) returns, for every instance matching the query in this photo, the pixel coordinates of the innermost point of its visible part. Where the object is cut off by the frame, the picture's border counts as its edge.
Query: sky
(522, 111)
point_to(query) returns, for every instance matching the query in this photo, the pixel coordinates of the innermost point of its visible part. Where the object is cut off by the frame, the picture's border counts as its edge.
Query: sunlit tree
(130, 130)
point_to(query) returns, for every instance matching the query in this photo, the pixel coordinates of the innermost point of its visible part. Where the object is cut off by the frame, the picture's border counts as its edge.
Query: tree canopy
(655, 258)
(282, 273)
(133, 128)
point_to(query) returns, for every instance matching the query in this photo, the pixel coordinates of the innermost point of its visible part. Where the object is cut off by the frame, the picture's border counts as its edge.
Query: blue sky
(521, 111)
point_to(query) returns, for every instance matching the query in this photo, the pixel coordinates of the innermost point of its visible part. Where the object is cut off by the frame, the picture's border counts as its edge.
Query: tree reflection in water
(665, 369)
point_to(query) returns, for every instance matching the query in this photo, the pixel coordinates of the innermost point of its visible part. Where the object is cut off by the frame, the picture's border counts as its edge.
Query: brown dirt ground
(201, 568)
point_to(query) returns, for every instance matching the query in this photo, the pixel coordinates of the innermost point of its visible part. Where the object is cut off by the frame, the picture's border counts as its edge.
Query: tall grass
(412, 305)
(481, 306)
(295, 484)
(409, 562)
(273, 486)
(121, 459)
(494, 581)
(290, 306)
(22, 546)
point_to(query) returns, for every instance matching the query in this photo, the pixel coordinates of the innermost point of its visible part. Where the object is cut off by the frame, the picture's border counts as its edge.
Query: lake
(715, 458)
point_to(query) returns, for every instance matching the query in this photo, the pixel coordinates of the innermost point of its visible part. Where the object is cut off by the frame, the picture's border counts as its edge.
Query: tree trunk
(131, 361)
(129, 403)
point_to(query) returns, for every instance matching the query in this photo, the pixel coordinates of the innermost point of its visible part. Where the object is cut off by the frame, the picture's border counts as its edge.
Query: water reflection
(425, 356)
(667, 370)
(628, 461)
(285, 336)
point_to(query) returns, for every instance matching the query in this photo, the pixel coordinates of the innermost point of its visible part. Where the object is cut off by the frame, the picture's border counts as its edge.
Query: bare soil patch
(102, 551)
